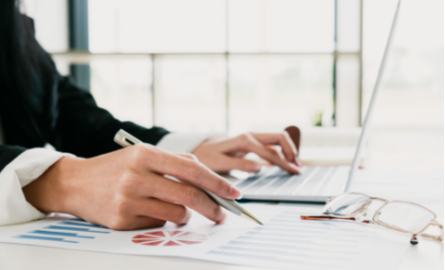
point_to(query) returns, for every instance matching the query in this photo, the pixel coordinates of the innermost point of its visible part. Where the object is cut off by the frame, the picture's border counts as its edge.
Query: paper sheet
(285, 241)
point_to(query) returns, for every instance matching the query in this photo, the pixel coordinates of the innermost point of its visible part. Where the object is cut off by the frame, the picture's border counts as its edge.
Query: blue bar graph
(82, 224)
(62, 234)
(73, 229)
(44, 238)
(79, 219)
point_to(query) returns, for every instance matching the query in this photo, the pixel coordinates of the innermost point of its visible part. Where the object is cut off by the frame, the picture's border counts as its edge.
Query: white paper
(285, 241)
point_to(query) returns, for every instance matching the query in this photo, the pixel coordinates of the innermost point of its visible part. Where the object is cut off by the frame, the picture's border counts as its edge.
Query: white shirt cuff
(20, 172)
(182, 142)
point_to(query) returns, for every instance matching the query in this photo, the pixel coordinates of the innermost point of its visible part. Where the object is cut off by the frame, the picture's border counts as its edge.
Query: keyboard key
(278, 182)
(310, 186)
(258, 184)
(294, 182)
(270, 180)
(269, 172)
(248, 181)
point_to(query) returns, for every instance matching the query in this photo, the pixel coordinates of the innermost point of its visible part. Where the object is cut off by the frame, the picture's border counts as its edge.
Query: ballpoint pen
(125, 139)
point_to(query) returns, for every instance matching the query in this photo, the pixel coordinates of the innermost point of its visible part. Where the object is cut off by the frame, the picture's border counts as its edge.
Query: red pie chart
(169, 238)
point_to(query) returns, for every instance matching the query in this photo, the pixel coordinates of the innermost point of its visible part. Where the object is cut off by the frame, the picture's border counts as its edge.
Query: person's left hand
(223, 155)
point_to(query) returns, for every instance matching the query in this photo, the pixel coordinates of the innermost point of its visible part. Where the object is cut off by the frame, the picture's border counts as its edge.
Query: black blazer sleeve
(8, 153)
(84, 129)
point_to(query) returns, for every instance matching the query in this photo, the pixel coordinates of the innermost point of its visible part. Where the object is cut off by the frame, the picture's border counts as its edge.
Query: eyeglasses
(402, 216)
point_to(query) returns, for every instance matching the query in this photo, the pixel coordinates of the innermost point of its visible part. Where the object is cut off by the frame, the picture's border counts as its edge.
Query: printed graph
(288, 240)
(169, 238)
(66, 231)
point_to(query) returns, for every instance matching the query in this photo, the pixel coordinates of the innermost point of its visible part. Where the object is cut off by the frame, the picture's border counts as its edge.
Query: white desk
(426, 255)
(391, 174)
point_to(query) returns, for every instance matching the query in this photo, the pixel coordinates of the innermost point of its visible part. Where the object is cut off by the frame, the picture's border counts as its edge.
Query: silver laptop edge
(366, 122)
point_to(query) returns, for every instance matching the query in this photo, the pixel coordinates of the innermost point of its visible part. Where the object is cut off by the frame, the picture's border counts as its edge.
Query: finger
(162, 210)
(188, 170)
(238, 154)
(139, 222)
(230, 163)
(130, 221)
(275, 151)
(299, 163)
(283, 139)
(187, 156)
(253, 145)
(173, 192)
(143, 222)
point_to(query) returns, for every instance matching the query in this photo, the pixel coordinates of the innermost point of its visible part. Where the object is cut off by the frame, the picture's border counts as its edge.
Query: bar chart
(66, 231)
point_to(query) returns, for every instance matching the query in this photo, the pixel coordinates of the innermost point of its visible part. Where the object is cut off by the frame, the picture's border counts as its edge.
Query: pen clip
(125, 139)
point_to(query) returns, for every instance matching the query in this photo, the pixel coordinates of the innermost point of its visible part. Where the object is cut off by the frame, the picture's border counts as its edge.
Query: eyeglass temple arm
(378, 199)
(432, 237)
(330, 218)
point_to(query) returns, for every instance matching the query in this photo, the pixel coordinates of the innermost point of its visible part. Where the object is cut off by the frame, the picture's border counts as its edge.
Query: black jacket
(53, 110)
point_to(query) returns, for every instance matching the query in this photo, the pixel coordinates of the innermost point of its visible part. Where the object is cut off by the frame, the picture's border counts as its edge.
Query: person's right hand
(126, 189)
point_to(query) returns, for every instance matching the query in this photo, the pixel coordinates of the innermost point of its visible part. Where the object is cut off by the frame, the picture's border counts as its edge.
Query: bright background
(241, 65)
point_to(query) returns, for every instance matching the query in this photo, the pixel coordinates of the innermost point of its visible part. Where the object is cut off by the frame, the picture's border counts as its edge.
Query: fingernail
(223, 219)
(187, 217)
(235, 193)
(298, 162)
(255, 167)
(295, 167)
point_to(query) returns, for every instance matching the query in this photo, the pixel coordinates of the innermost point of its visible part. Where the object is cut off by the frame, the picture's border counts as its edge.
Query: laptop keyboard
(313, 184)
(276, 181)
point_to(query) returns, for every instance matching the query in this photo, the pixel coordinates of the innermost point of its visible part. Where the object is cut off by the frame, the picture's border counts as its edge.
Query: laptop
(315, 183)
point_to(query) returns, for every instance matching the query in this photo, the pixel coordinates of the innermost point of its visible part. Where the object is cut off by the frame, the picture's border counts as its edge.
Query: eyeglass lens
(404, 216)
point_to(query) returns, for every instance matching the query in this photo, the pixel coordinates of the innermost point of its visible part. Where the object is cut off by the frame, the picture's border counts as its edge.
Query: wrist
(53, 191)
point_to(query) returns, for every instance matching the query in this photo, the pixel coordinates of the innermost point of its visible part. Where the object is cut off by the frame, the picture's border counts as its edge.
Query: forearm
(21, 171)
(52, 191)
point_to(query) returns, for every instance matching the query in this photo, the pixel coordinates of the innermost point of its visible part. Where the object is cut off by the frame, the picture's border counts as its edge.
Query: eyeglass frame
(413, 240)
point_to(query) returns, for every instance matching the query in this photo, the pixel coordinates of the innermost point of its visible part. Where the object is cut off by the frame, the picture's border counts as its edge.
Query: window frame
(78, 56)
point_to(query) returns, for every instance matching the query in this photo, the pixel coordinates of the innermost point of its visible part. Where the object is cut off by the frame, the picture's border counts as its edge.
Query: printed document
(285, 241)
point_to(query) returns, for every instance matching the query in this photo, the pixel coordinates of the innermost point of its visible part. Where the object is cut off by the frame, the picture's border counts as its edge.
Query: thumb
(242, 164)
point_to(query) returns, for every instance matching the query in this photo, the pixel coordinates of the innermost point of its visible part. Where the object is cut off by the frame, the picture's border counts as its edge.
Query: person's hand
(223, 155)
(126, 189)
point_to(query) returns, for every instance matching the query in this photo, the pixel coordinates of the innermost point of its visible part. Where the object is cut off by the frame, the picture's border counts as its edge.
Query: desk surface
(427, 255)
(396, 174)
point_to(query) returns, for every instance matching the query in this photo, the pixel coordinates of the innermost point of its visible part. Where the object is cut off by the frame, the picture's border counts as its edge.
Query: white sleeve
(24, 169)
(182, 142)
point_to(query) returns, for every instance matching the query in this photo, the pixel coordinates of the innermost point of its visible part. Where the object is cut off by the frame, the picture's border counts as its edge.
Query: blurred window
(157, 26)
(411, 93)
(236, 65)
(50, 22)
(200, 81)
(270, 92)
(281, 26)
(190, 93)
(123, 87)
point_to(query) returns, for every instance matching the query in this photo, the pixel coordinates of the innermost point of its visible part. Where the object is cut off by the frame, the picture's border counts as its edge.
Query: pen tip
(249, 216)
